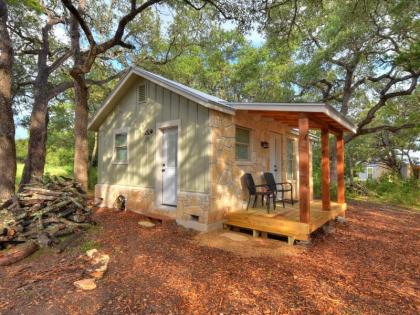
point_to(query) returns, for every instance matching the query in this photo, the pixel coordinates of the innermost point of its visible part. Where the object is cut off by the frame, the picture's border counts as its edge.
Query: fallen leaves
(370, 265)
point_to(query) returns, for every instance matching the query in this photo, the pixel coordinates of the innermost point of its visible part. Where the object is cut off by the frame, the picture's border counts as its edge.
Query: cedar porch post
(304, 196)
(340, 169)
(325, 169)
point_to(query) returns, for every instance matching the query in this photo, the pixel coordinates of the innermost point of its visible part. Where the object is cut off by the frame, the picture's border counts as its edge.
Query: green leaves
(29, 4)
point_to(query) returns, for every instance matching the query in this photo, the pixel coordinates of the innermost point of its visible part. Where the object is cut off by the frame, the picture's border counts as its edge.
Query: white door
(275, 156)
(169, 166)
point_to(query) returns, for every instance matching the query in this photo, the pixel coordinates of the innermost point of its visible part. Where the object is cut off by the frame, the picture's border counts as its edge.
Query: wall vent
(141, 93)
(194, 217)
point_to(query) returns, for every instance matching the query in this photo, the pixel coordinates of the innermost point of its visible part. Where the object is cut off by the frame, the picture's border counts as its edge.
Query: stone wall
(142, 200)
(137, 198)
(193, 204)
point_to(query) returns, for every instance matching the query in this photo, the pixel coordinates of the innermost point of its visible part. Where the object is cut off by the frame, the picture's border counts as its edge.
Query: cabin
(173, 151)
(375, 170)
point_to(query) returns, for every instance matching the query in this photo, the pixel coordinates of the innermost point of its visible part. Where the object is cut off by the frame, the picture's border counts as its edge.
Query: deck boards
(285, 221)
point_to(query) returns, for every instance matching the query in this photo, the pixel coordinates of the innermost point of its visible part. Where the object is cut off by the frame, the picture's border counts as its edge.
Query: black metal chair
(284, 187)
(252, 191)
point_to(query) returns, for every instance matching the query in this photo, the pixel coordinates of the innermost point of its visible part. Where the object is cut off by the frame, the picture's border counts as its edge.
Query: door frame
(160, 126)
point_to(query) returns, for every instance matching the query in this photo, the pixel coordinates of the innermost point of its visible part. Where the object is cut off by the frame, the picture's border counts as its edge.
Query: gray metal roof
(213, 102)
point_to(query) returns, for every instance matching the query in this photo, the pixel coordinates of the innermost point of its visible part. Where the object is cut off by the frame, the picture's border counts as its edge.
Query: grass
(49, 169)
(388, 190)
(88, 245)
(66, 170)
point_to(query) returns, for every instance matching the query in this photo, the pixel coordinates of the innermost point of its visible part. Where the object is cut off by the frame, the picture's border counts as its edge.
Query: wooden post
(325, 170)
(304, 196)
(340, 169)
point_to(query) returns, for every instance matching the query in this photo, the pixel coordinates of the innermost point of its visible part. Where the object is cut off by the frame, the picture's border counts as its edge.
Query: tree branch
(76, 14)
(393, 129)
(59, 61)
(110, 78)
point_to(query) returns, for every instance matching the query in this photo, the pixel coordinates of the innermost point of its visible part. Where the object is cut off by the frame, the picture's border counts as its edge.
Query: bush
(93, 177)
(393, 190)
(317, 186)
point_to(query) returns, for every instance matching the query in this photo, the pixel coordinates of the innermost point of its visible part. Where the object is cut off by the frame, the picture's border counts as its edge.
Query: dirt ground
(369, 266)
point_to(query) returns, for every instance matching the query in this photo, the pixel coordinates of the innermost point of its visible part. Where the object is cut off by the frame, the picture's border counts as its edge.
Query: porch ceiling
(320, 115)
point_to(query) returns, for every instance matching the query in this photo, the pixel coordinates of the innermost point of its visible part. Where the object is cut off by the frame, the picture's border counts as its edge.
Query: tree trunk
(37, 143)
(81, 150)
(7, 126)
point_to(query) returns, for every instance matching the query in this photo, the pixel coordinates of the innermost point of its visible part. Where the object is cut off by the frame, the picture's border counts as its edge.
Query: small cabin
(177, 152)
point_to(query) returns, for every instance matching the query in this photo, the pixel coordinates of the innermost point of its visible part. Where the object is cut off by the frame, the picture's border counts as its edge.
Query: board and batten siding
(161, 105)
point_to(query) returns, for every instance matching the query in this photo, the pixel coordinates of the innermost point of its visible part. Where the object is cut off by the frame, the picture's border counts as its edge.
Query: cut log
(43, 191)
(47, 208)
(52, 207)
(18, 253)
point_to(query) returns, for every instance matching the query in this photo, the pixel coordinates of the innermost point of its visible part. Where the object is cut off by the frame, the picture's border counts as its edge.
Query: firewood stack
(46, 209)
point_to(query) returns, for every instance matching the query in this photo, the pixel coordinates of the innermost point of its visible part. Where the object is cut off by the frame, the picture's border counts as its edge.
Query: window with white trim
(120, 147)
(242, 144)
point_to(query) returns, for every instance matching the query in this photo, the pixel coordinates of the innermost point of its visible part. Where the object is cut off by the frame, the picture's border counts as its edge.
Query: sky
(21, 133)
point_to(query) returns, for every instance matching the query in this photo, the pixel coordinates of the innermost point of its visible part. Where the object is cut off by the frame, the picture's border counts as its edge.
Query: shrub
(394, 190)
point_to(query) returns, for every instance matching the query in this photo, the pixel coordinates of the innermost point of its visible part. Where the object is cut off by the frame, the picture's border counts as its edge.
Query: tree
(392, 149)
(86, 58)
(357, 56)
(7, 126)
(49, 60)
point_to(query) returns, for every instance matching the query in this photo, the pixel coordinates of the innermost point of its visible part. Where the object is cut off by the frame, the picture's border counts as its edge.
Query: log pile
(358, 188)
(45, 210)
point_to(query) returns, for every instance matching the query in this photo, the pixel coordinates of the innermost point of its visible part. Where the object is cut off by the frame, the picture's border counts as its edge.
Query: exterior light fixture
(265, 145)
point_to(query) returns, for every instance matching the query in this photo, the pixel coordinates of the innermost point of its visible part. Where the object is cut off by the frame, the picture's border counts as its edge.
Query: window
(242, 142)
(290, 159)
(120, 144)
(370, 172)
(141, 93)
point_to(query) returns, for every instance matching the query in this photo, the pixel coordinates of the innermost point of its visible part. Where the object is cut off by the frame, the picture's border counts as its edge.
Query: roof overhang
(321, 115)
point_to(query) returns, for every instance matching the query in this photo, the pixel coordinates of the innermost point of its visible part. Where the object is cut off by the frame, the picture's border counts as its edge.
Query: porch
(284, 221)
(306, 216)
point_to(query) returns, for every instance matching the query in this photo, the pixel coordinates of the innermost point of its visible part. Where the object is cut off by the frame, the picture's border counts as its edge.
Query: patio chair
(252, 191)
(284, 187)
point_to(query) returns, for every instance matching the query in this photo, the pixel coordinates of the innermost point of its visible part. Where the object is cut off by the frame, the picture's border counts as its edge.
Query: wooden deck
(284, 221)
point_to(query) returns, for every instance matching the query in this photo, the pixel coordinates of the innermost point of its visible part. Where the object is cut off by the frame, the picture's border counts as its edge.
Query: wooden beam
(325, 169)
(324, 124)
(304, 195)
(340, 169)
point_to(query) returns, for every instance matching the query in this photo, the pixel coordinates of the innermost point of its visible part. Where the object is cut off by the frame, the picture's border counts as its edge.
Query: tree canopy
(360, 56)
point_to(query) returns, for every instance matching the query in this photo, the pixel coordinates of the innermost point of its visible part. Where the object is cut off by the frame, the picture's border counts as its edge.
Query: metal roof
(214, 102)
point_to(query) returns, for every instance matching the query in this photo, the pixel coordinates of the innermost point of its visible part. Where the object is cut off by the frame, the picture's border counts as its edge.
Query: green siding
(162, 105)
